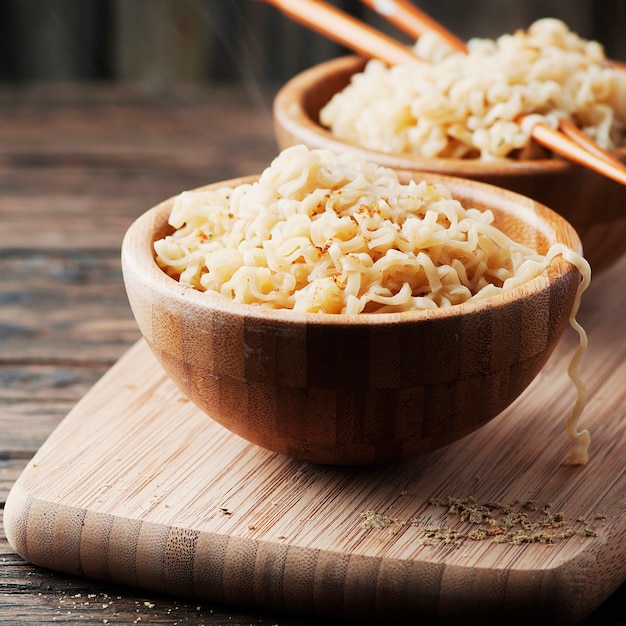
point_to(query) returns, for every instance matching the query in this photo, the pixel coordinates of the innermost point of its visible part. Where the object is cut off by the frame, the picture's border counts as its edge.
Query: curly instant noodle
(468, 105)
(335, 234)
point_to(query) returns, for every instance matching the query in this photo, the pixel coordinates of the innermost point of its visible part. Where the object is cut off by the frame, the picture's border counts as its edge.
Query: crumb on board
(370, 519)
(516, 523)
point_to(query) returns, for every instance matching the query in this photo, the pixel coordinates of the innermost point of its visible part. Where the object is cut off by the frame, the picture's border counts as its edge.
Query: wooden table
(77, 165)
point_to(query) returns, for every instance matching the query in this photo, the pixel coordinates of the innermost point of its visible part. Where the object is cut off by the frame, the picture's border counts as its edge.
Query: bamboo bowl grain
(360, 389)
(593, 204)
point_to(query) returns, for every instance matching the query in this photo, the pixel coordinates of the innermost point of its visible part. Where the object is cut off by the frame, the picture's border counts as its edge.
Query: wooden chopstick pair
(414, 22)
(567, 141)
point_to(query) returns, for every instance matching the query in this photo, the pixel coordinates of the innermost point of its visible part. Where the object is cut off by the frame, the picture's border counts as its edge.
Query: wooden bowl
(593, 204)
(360, 389)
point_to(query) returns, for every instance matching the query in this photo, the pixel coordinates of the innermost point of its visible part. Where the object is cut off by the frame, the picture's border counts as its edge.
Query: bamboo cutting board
(136, 486)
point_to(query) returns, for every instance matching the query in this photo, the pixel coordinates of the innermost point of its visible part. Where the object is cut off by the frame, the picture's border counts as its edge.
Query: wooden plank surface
(156, 495)
(76, 165)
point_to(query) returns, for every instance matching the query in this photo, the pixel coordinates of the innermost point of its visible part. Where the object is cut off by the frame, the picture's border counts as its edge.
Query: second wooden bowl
(593, 204)
(361, 389)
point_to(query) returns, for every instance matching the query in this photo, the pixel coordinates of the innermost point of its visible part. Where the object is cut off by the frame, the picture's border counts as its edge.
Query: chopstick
(413, 21)
(562, 144)
(582, 139)
(346, 30)
(568, 140)
(333, 23)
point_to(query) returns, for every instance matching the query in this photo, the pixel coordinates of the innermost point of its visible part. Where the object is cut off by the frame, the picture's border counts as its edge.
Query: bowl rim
(139, 259)
(289, 111)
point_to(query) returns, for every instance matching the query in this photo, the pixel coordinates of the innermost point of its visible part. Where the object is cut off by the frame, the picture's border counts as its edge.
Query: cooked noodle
(580, 454)
(468, 105)
(334, 234)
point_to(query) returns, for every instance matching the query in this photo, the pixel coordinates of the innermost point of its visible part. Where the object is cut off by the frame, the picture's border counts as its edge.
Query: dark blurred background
(161, 42)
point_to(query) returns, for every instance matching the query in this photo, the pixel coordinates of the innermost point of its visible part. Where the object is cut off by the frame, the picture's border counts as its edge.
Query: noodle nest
(319, 232)
(468, 105)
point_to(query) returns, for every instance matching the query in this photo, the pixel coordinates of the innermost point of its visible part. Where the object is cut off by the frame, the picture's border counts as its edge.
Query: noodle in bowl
(347, 387)
(468, 128)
